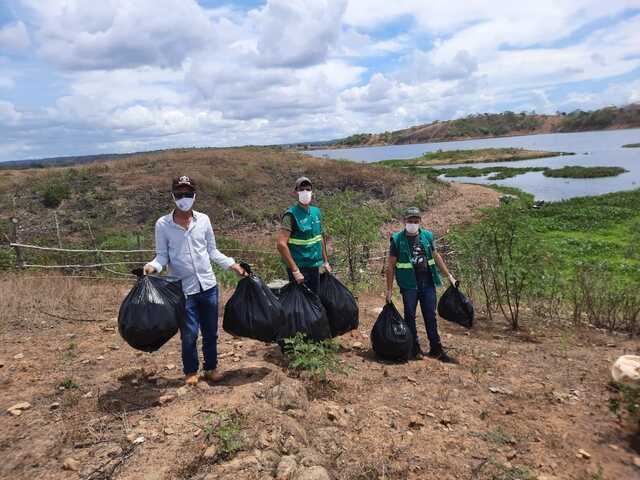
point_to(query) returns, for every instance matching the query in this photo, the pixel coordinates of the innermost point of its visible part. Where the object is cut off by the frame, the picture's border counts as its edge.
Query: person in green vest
(416, 265)
(300, 241)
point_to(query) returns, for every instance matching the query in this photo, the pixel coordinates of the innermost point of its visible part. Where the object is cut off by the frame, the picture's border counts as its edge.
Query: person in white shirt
(186, 245)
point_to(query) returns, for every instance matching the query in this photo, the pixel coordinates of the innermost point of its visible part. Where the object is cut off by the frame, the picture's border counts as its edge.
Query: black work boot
(438, 353)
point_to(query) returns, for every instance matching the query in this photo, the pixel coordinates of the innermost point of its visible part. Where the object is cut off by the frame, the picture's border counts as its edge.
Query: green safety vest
(405, 274)
(305, 241)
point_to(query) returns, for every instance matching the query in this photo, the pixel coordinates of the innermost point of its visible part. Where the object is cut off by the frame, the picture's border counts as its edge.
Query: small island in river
(428, 164)
(482, 155)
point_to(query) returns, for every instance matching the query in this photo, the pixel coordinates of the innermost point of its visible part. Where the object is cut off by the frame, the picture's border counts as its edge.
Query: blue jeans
(426, 295)
(202, 313)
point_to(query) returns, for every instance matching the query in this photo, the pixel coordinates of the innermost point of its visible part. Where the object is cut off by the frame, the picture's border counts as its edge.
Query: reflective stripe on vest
(310, 241)
(430, 262)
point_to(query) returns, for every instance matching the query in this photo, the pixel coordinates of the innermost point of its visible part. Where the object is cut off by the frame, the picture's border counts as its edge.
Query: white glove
(327, 267)
(452, 280)
(299, 277)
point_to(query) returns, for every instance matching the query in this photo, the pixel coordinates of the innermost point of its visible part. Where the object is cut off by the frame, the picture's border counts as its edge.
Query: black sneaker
(439, 354)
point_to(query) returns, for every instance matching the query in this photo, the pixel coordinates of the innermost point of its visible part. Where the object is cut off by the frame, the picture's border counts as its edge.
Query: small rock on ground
(312, 473)
(288, 395)
(71, 464)
(286, 468)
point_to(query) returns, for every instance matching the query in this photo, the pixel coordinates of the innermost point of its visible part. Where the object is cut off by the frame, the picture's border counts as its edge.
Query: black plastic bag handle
(247, 268)
(138, 272)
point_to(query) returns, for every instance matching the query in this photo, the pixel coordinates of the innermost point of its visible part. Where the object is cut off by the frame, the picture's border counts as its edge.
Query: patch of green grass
(584, 172)
(512, 473)
(631, 145)
(69, 384)
(225, 430)
(497, 436)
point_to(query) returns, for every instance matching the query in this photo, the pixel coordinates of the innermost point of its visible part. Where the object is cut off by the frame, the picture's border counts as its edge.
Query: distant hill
(488, 125)
(61, 161)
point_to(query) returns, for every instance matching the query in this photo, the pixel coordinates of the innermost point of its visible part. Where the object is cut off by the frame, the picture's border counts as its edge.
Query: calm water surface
(591, 148)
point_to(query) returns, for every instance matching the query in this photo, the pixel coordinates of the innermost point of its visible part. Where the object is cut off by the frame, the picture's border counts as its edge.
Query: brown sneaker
(213, 375)
(191, 379)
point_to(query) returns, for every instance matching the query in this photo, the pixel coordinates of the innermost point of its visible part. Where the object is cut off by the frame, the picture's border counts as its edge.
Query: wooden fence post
(14, 239)
(55, 217)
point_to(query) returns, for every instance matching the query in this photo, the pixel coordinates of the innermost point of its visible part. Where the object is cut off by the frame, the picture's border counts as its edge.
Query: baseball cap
(302, 180)
(412, 212)
(183, 181)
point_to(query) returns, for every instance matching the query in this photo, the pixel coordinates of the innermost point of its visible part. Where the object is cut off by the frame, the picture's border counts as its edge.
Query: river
(602, 148)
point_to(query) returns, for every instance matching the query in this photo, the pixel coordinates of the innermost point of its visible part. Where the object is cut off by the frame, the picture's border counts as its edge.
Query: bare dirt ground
(520, 403)
(519, 406)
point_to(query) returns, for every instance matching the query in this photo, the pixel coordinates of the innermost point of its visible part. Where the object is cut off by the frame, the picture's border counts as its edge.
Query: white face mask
(184, 203)
(412, 228)
(304, 197)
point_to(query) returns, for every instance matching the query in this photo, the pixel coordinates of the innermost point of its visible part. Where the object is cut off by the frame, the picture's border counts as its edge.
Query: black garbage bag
(390, 335)
(151, 313)
(341, 306)
(455, 307)
(303, 312)
(253, 311)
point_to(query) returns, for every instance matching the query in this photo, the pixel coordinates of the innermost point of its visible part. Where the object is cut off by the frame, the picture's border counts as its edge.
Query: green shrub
(500, 257)
(353, 226)
(316, 358)
(625, 399)
(54, 193)
(225, 430)
(69, 384)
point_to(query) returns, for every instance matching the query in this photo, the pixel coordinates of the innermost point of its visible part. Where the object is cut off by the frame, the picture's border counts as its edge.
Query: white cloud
(77, 34)
(9, 116)
(297, 33)
(14, 37)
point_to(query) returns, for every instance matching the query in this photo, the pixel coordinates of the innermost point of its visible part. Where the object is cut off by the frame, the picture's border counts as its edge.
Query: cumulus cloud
(14, 37)
(119, 33)
(297, 33)
(163, 73)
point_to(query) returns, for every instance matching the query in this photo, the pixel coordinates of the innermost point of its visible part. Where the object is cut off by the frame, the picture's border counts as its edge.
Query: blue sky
(84, 77)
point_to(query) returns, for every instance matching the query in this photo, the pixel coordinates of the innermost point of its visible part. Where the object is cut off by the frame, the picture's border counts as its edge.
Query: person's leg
(410, 303)
(189, 337)
(208, 309)
(311, 278)
(427, 297)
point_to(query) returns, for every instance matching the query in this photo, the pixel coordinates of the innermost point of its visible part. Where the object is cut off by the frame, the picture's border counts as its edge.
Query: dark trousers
(426, 295)
(311, 277)
(202, 314)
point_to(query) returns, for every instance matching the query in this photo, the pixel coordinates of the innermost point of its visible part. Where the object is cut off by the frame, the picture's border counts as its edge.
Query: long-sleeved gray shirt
(188, 253)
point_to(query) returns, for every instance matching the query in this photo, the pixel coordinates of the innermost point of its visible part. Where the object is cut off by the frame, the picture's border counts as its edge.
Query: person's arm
(161, 259)
(443, 267)
(283, 248)
(391, 268)
(219, 258)
(325, 256)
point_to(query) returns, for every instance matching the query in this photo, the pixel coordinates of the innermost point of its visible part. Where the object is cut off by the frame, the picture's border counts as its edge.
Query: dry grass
(241, 189)
(26, 299)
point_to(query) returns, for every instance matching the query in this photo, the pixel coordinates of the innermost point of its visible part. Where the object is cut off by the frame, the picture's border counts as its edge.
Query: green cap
(412, 212)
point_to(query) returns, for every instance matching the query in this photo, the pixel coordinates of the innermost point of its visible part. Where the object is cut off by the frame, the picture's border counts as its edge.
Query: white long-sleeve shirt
(188, 253)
